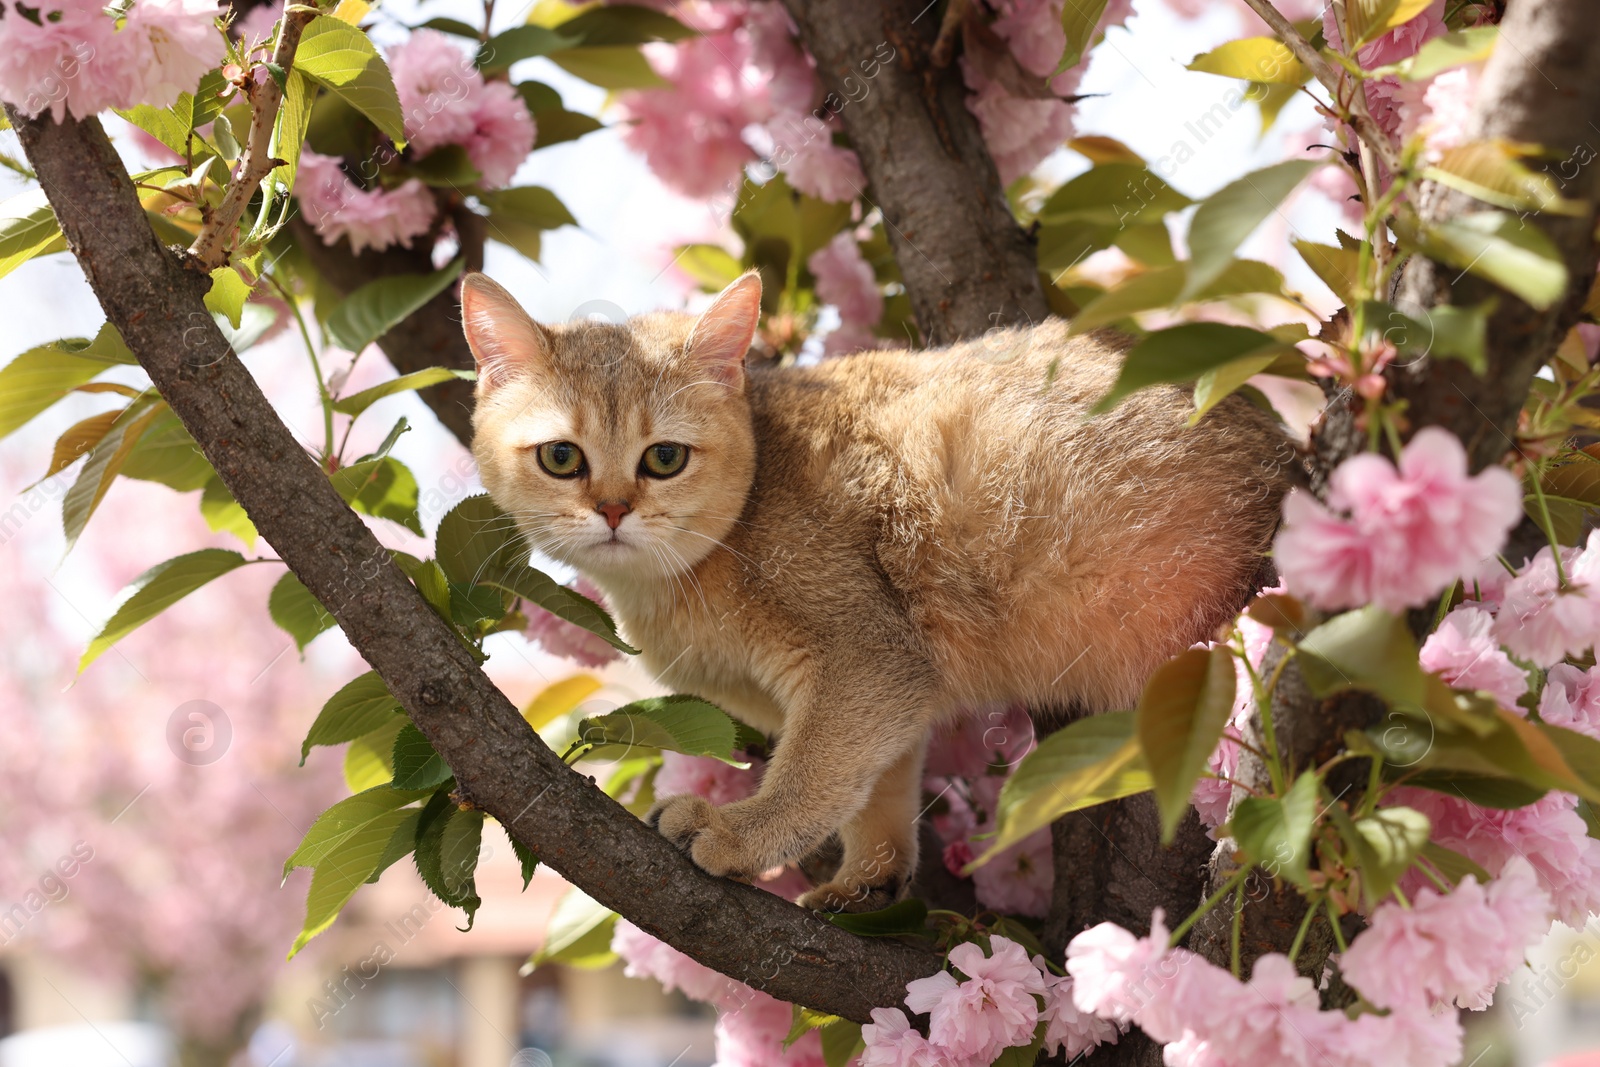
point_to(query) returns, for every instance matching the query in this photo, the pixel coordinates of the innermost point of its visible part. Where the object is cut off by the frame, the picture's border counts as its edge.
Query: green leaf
(1183, 353)
(1452, 50)
(1179, 721)
(361, 706)
(38, 378)
(342, 59)
(579, 931)
(79, 438)
(477, 543)
(1394, 837)
(1443, 332)
(1338, 268)
(1159, 288)
(676, 723)
(1113, 194)
(416, 764)
(1452, 864)
(455, 26)
(1370, 19)
(1491, 172)
(28, 228)
(1508, 251)
(158, 589)
(297, 612)
(448, 842)
(710, 265)
(527, 859)
(100, 470)
(446, 167)
(166, 453)
(909, 916)
(345, 847)
(557, 125)
(1366, 649)
(381, 305)
(401, 843)
(1023, 1055)
(614, 24)
(804, 1021)
(1264, 60)
(1275, 833)
(1219, 383)
(1089, 762)
(289, 131)
(841, 1042)
(609, 67)
(356, 403)
(519, 43)
(530, 205)
(538, 96)
(1078, 21)
(227, 294)
(369, 761)
(169, 125)
(1230, 215)
(223, 514)
(383, 488)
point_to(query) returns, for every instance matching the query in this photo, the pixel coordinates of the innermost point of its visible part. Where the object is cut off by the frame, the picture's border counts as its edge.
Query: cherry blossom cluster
(997, 1004)
(559, 637)
(445, 101)
(846, 281)
(1396, 536)
(71, 57)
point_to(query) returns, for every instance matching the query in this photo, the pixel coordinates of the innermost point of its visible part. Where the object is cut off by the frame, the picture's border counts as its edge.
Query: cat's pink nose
(613, 510)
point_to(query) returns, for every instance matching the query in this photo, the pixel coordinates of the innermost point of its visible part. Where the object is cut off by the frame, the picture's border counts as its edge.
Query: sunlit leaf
(381, 305)
(1490, 171)
(1253, 59)
(1226, 218)
(676, 723)
(342, 59)
(1179, 721)
(1182, 354)
(158, 589)
(361, 706)
(1274, 833)
(356, 403)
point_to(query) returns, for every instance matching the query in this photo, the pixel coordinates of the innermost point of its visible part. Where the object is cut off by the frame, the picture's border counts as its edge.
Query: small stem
(1427, 868)
(1401, 897)
(1549, 526)
(1360, 118)
(1238, 927)
(1300, 934)
(1269, 732)
(1210, 902)
(316, 367)
(1333, 921)
(1247, 746)
(210, 249)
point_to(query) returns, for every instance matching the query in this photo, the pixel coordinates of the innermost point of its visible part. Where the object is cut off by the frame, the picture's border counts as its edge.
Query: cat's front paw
(692, 824)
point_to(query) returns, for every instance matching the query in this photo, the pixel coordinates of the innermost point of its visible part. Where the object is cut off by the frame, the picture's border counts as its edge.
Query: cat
(848, 555)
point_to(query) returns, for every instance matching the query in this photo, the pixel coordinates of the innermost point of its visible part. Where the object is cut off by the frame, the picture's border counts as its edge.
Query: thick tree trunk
(966, 265)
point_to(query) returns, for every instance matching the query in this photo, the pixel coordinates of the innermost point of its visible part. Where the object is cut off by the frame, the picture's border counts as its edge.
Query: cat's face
(625, 451)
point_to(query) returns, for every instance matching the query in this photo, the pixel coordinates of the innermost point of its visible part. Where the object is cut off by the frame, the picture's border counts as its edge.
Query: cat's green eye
(664, 460)
(561, 459)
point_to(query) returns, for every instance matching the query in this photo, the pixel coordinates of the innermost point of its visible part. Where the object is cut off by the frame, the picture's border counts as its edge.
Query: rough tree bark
(966, 265)
(504, 769)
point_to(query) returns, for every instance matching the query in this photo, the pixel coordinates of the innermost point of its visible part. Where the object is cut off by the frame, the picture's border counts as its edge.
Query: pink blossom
(848, 338)
(1018, 881)
(559, 637)
(1019, 131)
(692, 134)
(1540, 621)
(175, 42)
(1451, 948)
(1114, 972)
(703, 776)
(820, 168)
(993, 1009)
(75, 60)
(259, 23)
(750, 1033)
(1402, 42)
(1068, 1029)
(1464, 652)
(647, 957)
(791, 79)
(1572, 699)
(1549, 834)
(445, 100)
(336, 207)
(1407, 532)
(1445, 114)
(891, 1042)
(845, 280)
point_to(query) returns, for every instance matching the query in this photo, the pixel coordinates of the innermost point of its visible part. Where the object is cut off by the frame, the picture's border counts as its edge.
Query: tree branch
(211, 247)
(966, 265)
(502, 766)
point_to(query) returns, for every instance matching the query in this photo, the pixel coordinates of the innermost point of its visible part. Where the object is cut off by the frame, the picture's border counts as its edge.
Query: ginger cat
(848, 554)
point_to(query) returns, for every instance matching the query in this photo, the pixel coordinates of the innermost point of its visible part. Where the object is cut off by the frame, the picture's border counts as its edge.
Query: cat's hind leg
(880, 844)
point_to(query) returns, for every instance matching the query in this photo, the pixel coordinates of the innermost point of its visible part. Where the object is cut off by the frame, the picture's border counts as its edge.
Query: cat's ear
(503, 338)
(723, 333)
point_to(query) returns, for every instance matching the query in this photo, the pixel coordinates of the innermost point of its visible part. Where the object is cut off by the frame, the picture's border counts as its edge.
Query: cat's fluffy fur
(857, 551)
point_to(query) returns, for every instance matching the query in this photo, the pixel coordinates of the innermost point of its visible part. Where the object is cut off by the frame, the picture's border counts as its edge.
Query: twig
(944, 46)
(210, 249)
(1360, 118)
